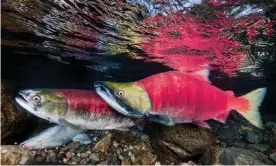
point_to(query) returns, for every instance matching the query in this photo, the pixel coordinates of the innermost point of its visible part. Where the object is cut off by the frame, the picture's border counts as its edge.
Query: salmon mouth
(116, 103)
(22, 101)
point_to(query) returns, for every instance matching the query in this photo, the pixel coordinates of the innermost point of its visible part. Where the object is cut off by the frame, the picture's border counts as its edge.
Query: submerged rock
(272, 142)
(231, 156)
(237, 156)
(270, 125)
(259, 147)
(181, 143)
(210, 157)
(228, 133)
(252, 137)
(12, 120)
(14, 155)
(273, 157)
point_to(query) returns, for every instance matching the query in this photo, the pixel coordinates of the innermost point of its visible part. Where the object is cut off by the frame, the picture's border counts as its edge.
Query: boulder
(12, 120)
(231, 156)
(181, 143)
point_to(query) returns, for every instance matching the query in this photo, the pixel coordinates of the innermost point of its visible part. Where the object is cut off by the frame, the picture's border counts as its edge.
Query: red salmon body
(84, 101)
(185, 98)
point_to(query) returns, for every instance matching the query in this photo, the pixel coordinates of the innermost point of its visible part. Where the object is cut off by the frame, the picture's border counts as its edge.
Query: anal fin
(83, 138)
(141, 124)
(222, 117)
(202, 124)
(230, 92)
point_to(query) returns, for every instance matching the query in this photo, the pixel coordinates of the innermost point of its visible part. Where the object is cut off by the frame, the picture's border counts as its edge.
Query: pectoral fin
(74, 127)
(141, 124)
(163, 119)
(82, 138)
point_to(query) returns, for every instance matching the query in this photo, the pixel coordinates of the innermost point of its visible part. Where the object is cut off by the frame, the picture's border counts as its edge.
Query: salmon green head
(44, 103)
(127, 98)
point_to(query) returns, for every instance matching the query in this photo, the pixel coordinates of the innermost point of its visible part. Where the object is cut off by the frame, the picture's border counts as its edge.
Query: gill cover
(131, 95)
(53, 102)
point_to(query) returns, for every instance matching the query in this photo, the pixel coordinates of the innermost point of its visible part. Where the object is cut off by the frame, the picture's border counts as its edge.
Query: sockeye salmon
(177, 97)
(78, 109)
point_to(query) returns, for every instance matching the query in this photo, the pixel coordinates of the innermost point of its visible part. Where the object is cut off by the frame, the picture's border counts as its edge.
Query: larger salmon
(176, 97)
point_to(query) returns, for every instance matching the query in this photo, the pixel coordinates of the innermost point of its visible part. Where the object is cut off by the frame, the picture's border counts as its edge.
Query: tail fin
(255, 99)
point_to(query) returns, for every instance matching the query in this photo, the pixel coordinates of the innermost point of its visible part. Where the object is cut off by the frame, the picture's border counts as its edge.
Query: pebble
(65, 160)
(51, 158)
(125, 162)
(84, 155)
(273, 157)
(69, 155)
(132, 158)
(272, 142)
(40, 158)
(103, 163)
(83, 162)
(50, 151)
(270, 125)
(115, 144)
(143, 145)
(146, 158)
(118, 151)
(144, 138)
(103, 144)
(94, 157)
(76, 159)
(239, 144)
(259, 147)
(121, 157)
(60, 155)
(253, 137)
(136, 147)
(70, 146)
(223, 144)
(130, 147)
(44, 154)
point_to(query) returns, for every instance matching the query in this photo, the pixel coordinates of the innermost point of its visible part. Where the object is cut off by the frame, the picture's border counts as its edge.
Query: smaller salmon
(78, 109)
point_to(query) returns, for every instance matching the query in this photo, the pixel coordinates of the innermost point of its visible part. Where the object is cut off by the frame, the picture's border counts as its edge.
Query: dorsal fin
(230, 92)
(202, 74)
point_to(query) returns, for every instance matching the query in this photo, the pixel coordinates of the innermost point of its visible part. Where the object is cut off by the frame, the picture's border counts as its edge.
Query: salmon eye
(121, 93)
(36, 98)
